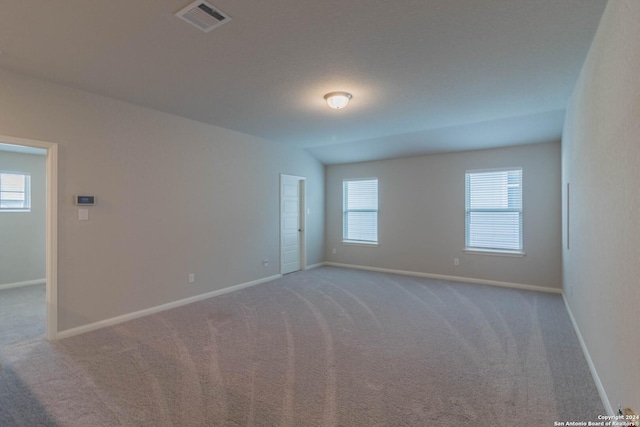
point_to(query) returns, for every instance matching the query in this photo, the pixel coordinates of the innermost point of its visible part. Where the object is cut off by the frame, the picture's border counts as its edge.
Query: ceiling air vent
(203, 15)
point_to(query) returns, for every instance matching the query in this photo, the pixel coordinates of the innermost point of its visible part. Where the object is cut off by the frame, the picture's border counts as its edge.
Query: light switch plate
(83, 214)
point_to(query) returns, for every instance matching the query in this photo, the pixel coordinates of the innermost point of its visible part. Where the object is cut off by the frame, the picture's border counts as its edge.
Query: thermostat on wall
(85, 200)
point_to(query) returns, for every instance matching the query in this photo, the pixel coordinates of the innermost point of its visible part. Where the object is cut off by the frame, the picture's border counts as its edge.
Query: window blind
(14, 191)
(360, 221)
(494, 209)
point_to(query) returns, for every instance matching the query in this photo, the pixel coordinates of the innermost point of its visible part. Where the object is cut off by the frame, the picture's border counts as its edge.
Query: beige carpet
(23, 313)
(326, 347)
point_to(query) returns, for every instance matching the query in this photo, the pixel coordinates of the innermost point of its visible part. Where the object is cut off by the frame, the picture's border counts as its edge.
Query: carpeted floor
(326, 347)
(23, 313)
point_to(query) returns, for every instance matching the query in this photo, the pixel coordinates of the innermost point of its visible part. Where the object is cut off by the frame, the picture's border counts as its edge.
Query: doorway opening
(293, 254)
(16, 200)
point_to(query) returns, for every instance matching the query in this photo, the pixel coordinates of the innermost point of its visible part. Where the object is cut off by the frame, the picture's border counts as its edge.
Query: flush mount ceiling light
(337, 100)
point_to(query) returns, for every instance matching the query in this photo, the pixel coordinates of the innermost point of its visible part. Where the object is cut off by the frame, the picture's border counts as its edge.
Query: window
(494, 210)
(15, 189)
(360, 211)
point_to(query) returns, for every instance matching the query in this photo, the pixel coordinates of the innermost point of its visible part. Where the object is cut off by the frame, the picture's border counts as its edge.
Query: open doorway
(23, 308)
(28, 232)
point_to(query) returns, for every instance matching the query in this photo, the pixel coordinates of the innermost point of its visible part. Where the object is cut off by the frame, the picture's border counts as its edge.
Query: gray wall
(601, 161)
(22, 234)
(174, 196)
(421, 215)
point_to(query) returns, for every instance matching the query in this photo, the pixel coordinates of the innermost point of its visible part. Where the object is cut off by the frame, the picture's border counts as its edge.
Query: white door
(291, 223)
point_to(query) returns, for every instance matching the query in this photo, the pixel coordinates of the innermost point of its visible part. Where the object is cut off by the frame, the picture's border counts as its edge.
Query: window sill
(496, 252)
(357, 243)
(15, 210)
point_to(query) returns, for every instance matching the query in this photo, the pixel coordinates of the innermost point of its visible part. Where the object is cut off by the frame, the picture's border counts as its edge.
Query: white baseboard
(592, 367)
(452, 278)
(147, 311)
(310, 267)
(20, 284)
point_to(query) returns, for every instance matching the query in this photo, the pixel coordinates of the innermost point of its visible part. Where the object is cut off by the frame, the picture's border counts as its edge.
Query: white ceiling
(426, 75)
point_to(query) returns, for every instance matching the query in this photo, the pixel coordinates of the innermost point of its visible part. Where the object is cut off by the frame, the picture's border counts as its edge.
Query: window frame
(345, 212)
(26, 192)
(495, 250)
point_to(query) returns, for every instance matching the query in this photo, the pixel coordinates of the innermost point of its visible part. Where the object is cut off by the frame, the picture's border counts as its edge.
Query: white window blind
(360, 220)
(15, 192)
(494, 210)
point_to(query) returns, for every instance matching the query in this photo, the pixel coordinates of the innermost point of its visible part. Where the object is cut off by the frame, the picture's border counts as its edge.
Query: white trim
(371, 178)
(496, 252)
(596, 378)
(303, 223)
(52, 241)
(503, 169)
(359, 243)
(51, 226)
(21, 284)
(452, 278)
(311, 267)
(157, 309)
(22, 149)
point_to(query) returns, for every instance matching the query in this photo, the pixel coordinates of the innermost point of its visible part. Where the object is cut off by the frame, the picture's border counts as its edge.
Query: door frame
(302, 206)
(51, 226)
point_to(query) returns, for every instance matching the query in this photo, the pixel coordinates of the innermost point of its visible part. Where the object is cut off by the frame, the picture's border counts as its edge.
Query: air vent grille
(203, 15)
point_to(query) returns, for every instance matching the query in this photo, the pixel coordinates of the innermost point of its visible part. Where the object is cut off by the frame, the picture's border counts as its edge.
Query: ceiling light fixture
(337, 100)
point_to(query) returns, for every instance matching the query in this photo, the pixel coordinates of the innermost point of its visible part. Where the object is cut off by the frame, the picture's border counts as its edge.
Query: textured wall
(22, 234)
(421, 215)
(601, 161)
(173, 196)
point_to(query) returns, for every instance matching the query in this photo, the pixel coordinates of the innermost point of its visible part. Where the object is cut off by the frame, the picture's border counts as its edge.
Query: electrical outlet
(334, 251)
(192, 278)
(456, 261)
(265, 262)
